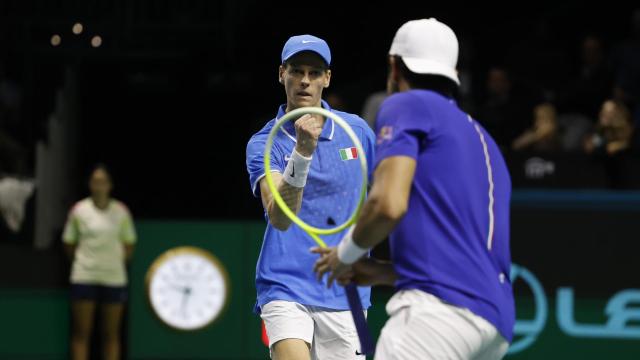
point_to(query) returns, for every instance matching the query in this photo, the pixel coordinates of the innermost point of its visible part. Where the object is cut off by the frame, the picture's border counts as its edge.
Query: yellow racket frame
(314, 232)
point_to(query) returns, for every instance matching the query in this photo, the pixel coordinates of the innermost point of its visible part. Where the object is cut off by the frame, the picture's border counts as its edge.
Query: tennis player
(441, 191)
(302, 319)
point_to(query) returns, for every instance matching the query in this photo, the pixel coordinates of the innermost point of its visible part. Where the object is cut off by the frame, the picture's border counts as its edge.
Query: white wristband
(348, 251)
(295, 174)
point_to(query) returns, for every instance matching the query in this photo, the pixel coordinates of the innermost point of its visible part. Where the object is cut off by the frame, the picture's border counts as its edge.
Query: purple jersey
(454, 240)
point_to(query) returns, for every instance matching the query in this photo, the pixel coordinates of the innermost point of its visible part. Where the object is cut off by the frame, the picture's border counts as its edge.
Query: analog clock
(187, 288)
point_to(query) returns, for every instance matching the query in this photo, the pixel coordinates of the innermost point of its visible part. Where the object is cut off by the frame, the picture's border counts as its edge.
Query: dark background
(171, 97)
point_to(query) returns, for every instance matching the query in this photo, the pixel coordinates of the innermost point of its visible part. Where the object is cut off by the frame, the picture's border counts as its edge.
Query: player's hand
(543, 130)
(329, 263)
(308, 130)
(368, 272)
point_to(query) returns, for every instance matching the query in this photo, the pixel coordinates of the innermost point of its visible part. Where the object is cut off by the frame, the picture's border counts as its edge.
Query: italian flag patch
(349, 153)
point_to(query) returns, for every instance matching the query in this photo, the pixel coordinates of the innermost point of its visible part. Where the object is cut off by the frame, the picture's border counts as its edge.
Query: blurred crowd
(539, 97)
(546, 99)
(593, 109)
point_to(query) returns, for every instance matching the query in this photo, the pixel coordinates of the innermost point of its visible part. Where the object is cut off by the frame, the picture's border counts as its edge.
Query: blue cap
(300, 43)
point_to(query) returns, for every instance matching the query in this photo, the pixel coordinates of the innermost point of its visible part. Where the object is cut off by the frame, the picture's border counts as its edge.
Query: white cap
(427, 46)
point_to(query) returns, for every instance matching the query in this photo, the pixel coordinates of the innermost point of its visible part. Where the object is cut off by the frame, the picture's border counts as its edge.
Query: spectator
(98, 237)
(592, 83)
(614, 131)
(504, 112)
(544, 135)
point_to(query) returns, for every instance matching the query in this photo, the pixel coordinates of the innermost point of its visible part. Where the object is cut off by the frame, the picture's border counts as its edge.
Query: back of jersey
(454, 240)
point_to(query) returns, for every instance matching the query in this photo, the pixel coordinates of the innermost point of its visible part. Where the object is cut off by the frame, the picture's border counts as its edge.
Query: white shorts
(331, 333)
(421, 326)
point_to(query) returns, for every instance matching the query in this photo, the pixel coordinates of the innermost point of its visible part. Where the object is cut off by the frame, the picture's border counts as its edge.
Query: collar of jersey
(289, 129)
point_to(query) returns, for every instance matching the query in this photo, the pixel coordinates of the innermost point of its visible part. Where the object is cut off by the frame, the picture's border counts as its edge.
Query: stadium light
(96, 41)
(77, 28)
(55, 40)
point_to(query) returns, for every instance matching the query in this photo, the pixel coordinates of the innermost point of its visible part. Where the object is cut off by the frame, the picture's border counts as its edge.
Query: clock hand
(177, 287)
(183, 305)
(186, 293)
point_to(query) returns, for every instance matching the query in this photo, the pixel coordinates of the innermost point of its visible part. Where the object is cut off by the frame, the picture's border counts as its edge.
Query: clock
(187, 288)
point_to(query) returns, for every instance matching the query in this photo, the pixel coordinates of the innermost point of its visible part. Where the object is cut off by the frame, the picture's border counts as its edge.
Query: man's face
(304, 76)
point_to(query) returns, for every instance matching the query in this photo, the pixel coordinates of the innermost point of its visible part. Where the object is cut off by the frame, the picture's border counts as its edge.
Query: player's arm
(128, 235)
(291, 183)
(128, 252)
(386, 205)
(291, 195)
(387, 202)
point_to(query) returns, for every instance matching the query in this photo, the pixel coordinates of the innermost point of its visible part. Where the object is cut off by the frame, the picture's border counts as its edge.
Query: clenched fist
(308, 129)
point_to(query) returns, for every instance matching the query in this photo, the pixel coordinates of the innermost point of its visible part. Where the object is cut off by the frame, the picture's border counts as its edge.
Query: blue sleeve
(403, 125)
(255, 160)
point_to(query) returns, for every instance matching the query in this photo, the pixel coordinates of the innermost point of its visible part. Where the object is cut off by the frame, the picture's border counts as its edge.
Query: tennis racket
(349, 165)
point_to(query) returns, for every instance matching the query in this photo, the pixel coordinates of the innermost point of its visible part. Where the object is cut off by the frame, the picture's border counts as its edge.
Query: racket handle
(366, 343)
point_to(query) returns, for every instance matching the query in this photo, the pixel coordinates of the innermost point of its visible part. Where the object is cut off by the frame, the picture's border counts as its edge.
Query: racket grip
(353, 297)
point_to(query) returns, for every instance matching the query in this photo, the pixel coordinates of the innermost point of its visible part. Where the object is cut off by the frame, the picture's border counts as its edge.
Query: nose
(306, 80)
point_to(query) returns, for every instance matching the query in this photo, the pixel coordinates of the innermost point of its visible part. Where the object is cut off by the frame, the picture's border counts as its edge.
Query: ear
(281, 71)
(327, 79)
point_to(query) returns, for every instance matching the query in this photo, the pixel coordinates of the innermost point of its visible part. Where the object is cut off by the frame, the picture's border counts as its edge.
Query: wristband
(348, 251)
(295, 174)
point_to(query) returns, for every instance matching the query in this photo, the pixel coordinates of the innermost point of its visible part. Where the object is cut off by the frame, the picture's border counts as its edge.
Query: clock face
(187, 288)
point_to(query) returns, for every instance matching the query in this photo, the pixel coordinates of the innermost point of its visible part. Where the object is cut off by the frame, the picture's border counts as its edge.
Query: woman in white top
(99, 237)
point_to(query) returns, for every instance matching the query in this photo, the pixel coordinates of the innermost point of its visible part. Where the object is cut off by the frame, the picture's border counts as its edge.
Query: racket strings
(336, 185)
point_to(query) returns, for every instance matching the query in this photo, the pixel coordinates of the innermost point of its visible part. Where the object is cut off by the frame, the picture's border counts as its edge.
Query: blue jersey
(285, 266)
(453, 241)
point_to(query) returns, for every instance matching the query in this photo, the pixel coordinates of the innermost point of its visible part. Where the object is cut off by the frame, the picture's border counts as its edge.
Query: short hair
(438, 83)
(103, 167)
